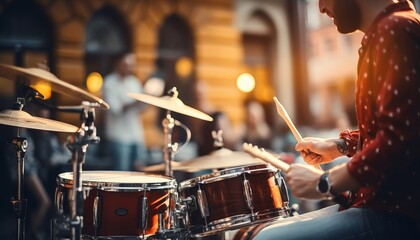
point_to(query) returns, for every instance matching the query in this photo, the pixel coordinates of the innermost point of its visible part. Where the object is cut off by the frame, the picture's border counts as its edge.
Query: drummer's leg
(351, 224)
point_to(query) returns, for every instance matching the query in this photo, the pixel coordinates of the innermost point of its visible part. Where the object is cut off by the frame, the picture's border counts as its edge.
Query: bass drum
(116, 203)
(234, 198)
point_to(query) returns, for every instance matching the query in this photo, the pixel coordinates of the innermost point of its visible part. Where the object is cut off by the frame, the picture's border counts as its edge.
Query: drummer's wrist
(342, 146)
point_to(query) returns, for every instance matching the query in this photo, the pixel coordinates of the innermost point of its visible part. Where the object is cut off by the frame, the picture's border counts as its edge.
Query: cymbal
(35, 75)
(222, 158)
(171, 103)
(19, 118)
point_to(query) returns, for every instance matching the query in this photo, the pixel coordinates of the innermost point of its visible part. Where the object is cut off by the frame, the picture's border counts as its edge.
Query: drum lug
(248, 194)
(144, 212)
(283, 189)
(95, 213)
(202, 203)
(59, 201)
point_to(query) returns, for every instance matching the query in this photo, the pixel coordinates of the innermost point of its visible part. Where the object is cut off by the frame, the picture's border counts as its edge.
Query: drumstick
(265, 156)
(282, 112)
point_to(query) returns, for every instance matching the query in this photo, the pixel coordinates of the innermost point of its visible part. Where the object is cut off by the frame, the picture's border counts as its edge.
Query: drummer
(385, 165)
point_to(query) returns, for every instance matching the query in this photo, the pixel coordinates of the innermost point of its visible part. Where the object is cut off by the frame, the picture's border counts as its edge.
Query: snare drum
(234, 198)
(118, 204)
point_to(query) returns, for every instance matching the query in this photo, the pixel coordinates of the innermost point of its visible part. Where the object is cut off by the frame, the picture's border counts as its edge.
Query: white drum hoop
(119, 181)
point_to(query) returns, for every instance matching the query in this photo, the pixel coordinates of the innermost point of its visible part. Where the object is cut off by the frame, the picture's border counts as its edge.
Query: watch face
(323, 184)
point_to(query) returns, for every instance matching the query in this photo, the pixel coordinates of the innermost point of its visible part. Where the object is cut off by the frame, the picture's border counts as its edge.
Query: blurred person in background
(123, 127)
(376, 188)
(202, 130)
(256, 129)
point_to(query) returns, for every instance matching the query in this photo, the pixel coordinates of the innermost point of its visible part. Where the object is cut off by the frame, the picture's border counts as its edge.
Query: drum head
(119, 179)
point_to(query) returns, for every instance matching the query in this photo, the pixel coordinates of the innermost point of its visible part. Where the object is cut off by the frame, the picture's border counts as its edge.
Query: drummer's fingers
(313, 158)
(304, 154)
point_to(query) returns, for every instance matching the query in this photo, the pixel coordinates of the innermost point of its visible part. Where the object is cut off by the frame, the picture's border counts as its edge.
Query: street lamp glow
(245, 82)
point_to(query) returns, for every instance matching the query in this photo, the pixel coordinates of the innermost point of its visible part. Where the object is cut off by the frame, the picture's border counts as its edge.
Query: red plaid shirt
(385, 149)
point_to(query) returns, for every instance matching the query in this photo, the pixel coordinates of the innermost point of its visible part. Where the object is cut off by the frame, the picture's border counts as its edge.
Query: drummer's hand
(302, 180)
(318, 150)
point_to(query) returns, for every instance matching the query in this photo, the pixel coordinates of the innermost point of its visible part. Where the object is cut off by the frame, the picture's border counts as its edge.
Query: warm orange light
(94, 82)
(44, 88)
(183, 66)
(245, 82)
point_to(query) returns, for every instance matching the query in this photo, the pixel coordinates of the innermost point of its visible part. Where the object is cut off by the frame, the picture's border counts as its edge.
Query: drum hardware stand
(21, 144)
(19, 204)
(176, 221)
(169, 149)
(78, 145)
(173, 233)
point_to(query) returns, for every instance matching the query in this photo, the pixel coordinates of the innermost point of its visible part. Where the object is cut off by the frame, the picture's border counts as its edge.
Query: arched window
(259, 42)
(107, 36)
(176, 56)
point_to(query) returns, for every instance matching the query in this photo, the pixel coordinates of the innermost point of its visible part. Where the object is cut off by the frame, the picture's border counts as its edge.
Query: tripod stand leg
(19, 204)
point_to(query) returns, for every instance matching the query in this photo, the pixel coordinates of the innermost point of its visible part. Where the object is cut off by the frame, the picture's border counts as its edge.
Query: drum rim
(225, 174)
(170, 183)
(239, 221)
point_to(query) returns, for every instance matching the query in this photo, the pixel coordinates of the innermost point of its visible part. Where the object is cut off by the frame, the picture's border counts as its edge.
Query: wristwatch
(324, 186)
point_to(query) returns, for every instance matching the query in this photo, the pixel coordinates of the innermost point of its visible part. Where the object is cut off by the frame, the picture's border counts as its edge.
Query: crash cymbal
(31, 76)
(171, 103)
(219, 159)
(19, 118)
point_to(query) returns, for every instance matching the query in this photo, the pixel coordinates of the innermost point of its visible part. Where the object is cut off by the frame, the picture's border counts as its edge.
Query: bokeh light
(44, 88)
(245, 82)
(184, 66)
(94, 82)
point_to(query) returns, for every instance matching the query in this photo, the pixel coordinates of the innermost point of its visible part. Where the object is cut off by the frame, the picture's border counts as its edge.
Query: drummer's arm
(341, 180)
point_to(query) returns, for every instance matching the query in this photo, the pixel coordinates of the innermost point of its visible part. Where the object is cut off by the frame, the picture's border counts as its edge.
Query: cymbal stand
(78, 146)
(19, 204)
(169, 149)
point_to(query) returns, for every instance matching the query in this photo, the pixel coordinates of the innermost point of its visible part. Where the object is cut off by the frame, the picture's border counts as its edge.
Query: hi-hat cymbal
(219, 159)
(19, 118)
(31, 76)
(171, 103)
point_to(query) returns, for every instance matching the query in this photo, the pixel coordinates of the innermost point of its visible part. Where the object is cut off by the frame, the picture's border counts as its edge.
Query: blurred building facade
(332, 70)
(332, 67)
(286, 45)
(216, 40)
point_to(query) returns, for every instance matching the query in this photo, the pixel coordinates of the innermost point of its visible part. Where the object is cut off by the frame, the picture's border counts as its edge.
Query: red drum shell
(228, 206)
(118, 199)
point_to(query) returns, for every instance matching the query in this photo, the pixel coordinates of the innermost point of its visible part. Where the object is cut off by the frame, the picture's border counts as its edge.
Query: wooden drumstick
(282, 112)
(265, 156)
